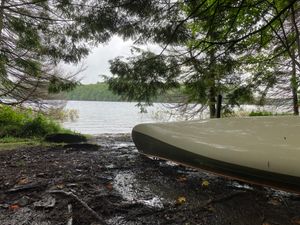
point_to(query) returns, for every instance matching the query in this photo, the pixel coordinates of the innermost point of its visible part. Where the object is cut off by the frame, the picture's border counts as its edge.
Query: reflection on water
(132, 190)
(108, 117)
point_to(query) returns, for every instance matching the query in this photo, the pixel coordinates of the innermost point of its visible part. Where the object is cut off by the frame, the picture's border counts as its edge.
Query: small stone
(72, 185)
(41, 175)
(25, 200)
(274, 202)
(46, 202)
(4, 206)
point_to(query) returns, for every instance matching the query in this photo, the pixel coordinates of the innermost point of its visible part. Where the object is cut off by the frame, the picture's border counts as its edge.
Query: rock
(41, 175)
(4, 206)
(65, 138)
(46, 202)
(25, 200)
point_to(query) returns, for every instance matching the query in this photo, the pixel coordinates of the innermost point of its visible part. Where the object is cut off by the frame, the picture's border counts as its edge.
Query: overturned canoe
(261, 150)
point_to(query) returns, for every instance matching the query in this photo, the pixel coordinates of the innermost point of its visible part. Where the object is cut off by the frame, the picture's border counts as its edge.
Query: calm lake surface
(108, 117)
(120, 117)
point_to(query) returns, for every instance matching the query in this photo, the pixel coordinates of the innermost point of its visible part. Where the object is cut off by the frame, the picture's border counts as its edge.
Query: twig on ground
(70, 220)
(27, 187)
(223, 198)
(70, 194)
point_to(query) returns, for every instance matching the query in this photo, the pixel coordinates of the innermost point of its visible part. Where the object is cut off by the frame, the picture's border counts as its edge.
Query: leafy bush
(25, 123)
(40, 126)
(260, 113)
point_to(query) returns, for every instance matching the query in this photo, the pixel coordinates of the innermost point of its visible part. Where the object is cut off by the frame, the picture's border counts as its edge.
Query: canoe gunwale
(151, 146)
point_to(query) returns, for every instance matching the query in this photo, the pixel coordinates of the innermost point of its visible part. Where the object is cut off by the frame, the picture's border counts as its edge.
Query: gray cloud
(96, 63)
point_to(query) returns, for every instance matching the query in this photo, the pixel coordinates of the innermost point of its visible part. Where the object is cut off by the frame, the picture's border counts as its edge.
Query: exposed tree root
(84, 204)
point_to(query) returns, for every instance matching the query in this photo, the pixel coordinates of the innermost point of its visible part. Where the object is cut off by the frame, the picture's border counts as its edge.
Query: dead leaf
(14, 207)
(210, 208)
(109, 186)
(296, 220)
(23, 181)
(265, 223)
(181, 179)
(274, 202)
(181, 200)
(60, 186)
(205, 183)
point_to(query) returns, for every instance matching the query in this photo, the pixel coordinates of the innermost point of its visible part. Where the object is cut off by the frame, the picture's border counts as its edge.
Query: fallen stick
(70, 194)
(224, 198)
(70, 220)
(27, 187)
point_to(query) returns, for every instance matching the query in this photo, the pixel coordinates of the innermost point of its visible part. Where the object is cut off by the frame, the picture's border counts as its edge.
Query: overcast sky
(97, 62)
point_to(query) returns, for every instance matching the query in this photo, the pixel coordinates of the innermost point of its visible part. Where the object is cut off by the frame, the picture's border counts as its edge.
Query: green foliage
(222, 47)
(38, 35)
(57, 85)
(241, 95)
(266, 113)
(203, 39)
(260, 113)
(143, 78)
(39, 126)
(25, 123)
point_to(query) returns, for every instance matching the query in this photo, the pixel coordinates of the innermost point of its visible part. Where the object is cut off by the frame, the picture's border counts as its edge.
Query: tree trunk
(294, 86)
(294, 83)
(212, 91)
(219, 106)
(212, 101)
(2, 2)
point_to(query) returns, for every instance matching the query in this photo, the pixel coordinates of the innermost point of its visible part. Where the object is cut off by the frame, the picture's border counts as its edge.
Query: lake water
(120, 117)
(108, 117)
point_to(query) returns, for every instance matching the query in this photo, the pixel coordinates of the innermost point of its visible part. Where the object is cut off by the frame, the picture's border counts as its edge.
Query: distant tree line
(101, 92)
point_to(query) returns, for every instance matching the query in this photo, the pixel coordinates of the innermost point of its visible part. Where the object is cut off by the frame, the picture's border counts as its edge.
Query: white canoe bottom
(155, 147)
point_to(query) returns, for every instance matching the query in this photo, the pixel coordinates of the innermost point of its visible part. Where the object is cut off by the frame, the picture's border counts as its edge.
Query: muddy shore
(114, 184)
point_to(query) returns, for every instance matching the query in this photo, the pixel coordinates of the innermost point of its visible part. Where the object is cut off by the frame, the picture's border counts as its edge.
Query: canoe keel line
(153, 147)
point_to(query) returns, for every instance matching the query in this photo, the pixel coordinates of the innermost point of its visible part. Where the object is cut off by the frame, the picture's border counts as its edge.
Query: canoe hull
(154, 147)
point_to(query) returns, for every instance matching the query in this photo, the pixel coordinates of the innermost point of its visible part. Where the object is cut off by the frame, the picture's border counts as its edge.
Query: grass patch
(267, 113)
(6, 140)
(9, 143)
(24, 127)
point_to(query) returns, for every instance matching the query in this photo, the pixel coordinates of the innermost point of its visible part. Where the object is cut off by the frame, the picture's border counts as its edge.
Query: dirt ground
(114, 184)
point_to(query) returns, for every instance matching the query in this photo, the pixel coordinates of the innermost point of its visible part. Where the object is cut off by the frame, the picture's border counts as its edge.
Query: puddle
(240, 186)
(119, 144)
(278, 193)
(169, 163)
(116, 220)
(131, 190)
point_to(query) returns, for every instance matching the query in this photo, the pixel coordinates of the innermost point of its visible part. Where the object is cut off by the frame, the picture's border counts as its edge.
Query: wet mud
(114, 184)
